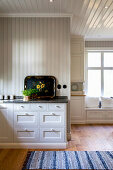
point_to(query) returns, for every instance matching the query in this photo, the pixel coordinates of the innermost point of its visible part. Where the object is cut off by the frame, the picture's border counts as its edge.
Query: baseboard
(78, 122)
(99, 122)
(33, 145)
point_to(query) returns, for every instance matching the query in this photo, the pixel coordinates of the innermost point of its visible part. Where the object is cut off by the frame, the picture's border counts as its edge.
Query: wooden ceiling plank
(86, 16)
(95, 23)
(28, 6)
(4, 6)
(13, 2)
(104, 24)
(99, 22)
(67, 6)
(21, 6)
(75, 22)
(17, 5)
(34, 5)
(14, 9)
(91, 16)
(81, 14)
(78, 26)
(55, 7)
(109, 23)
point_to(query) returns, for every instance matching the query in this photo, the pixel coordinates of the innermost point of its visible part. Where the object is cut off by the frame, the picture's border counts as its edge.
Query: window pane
(108, 83)
(94, 59)
(108, 59)
(94, 83)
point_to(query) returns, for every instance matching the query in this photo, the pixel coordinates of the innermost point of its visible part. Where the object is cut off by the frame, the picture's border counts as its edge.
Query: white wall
(33, 46)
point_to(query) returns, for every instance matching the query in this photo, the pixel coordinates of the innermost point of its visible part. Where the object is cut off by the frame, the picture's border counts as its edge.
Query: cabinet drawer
(52, 134)
(21, 107)
(56, 107)
(52, 119)
(39, 107)
(26, 135)
(26, 119)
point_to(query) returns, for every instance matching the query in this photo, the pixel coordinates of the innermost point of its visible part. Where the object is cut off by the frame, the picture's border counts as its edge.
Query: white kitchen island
(34, 124)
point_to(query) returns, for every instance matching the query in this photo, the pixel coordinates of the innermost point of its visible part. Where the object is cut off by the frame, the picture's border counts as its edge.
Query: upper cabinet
(77, 59)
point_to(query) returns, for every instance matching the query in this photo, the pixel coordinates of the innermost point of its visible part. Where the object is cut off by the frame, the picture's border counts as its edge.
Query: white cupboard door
(52, 135)
(29, 119)
(6, 126)
(77, 59)
(52, 119)
(77, 46)
(26, 135)
(77, 110)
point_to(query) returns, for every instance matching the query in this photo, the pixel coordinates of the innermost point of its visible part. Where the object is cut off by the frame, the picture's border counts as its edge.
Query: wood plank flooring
(84, 137)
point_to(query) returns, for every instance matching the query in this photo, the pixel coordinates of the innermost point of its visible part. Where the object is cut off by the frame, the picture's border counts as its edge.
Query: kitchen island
(34, 124)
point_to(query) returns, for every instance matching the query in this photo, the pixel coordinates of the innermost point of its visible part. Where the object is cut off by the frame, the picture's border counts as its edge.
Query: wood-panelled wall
(99, 44)
(33, 46)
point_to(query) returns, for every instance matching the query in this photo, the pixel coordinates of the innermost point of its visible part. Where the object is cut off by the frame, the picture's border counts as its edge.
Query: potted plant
(28, 94)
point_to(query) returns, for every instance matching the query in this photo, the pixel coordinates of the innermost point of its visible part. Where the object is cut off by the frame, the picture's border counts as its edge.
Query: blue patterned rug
(69, 160)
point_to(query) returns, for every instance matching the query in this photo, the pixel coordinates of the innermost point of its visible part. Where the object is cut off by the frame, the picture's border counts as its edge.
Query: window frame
(101, 68)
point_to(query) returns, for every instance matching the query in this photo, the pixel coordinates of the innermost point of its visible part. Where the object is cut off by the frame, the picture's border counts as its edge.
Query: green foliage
(29, 92)
(34, 91)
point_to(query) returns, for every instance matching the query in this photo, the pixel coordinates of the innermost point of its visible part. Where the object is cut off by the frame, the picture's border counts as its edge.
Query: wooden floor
(84, 137)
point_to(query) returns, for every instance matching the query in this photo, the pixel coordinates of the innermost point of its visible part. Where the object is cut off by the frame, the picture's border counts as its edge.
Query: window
(99, 74)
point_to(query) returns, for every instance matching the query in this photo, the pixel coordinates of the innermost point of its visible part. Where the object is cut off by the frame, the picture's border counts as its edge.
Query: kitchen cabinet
(33, 125)
(6, 123)
(77, 59)
(77, 110)
(40, 122)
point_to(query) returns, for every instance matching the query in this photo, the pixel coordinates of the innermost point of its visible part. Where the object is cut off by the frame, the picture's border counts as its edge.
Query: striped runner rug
(69, 160)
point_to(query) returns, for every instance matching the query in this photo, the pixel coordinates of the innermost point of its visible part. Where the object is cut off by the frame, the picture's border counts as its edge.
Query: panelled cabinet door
(77, 59)
(6, 125)
(77, 109)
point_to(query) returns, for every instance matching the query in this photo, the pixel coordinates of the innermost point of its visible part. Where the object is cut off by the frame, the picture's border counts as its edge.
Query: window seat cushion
(91, 102)
(106, 102)
(96, 109)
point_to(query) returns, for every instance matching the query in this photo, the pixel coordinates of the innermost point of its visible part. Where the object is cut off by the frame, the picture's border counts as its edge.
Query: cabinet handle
(40, 106)
(53, 130)
(53, 114)
(58, 106)
(27, 114)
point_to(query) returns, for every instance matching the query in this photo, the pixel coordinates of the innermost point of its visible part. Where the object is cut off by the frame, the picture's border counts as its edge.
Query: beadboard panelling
(34, 46)
(90, 18)
(97, 44)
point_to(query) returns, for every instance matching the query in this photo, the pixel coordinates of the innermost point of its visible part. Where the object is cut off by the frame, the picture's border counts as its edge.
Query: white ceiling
(90, 18)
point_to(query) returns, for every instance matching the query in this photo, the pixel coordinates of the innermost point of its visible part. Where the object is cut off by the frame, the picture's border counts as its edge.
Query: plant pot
(26, 98)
